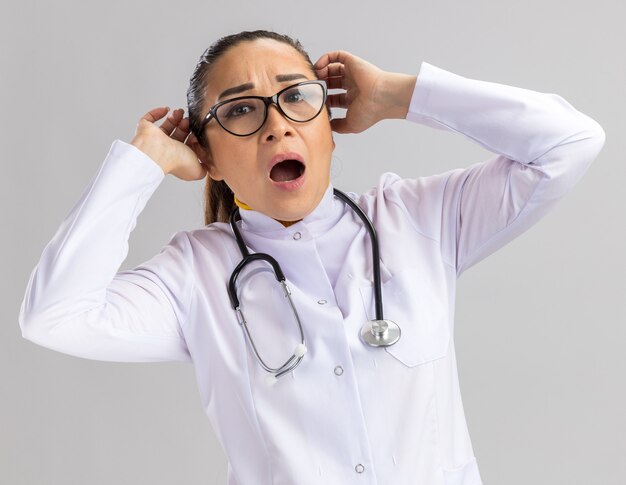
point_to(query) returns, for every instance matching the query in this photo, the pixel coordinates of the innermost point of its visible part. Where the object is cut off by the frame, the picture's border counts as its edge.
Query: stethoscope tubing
(378, 298)
(381, 340)
(247, 257)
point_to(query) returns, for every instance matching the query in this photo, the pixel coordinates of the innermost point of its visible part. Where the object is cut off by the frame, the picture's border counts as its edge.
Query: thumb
(340, 125)
(196, 171)
(201, 172)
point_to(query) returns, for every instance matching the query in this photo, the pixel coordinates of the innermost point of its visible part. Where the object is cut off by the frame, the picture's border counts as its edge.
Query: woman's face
(287, 191)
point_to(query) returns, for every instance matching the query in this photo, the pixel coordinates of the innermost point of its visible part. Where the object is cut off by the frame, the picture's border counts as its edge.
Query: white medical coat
(349, 414)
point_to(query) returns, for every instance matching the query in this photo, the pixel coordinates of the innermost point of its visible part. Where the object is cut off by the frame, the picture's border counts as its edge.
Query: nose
(276, 125)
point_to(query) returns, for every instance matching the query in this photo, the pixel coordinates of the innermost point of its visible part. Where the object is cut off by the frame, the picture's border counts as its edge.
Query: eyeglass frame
(267, 100)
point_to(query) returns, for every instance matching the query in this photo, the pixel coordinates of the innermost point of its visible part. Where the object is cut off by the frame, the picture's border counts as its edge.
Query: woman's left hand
(371, 94)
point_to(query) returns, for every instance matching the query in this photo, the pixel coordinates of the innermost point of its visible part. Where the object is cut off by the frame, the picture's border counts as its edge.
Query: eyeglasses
(246, 115)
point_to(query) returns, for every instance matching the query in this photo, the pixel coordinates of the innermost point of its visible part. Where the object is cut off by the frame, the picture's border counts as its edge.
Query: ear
(205, 156)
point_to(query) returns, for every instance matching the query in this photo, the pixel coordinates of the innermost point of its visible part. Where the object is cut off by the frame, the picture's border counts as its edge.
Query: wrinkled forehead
(259, 63)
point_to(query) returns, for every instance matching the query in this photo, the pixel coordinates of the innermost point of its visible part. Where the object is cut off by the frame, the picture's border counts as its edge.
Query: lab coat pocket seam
(466, 474)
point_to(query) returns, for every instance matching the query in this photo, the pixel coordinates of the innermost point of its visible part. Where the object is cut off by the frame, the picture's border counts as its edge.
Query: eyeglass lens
(245, 116)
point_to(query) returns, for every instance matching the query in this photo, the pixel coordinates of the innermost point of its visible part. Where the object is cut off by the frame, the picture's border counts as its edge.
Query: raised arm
(543, 146)
(76, 301)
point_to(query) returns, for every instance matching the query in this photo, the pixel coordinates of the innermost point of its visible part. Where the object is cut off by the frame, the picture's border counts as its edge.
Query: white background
(540, 325)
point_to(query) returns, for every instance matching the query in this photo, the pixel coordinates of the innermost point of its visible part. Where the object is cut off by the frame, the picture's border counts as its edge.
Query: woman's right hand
(170, 145)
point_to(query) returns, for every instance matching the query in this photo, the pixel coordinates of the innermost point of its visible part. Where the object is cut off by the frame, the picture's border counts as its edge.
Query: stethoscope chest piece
(380, 333)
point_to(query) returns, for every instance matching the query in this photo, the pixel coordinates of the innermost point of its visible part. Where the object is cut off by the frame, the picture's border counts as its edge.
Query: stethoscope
(376, 333)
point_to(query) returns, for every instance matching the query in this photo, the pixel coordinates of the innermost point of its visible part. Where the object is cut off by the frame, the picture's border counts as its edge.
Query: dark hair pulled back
(218, 198)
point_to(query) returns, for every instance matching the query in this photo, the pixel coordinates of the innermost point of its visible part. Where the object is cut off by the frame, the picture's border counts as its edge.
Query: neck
(244, 206)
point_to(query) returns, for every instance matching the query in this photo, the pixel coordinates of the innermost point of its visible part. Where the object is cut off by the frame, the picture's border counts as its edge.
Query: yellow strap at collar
(244, 206)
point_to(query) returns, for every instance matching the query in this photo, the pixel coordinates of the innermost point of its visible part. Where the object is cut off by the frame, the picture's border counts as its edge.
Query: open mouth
(287, 170)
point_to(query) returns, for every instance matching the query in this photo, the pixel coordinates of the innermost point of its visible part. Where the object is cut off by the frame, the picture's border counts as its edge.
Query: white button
(321, 302)
(338, 370)
(359, 468)
(297, 235)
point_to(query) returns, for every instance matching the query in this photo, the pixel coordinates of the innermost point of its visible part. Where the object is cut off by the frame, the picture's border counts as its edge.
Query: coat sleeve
(543, 146)
(79, 303)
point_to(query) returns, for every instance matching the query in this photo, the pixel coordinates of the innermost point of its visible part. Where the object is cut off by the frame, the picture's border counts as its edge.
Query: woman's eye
(294, 96)
(239, 110)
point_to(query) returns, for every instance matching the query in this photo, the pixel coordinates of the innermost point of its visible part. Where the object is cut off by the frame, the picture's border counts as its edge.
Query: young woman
(300, 386)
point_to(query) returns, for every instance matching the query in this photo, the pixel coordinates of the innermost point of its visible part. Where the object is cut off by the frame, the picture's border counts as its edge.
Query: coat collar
(324, 216)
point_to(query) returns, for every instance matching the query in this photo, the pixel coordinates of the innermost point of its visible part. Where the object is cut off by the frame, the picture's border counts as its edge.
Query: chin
(294, 206)
(289, 214)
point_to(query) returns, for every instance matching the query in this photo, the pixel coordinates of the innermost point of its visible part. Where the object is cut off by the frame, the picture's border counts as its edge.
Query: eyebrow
(247, 86)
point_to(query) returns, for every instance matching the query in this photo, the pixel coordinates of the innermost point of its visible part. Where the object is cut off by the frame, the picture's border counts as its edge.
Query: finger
(340, 125)
(195, 171)
(330, 57)
(198, 171)
(172, 121)
(155, 114)
(181, 131)
(183, 124)
(199, 150)
(179, 135)
(337, 100)
(191, 139)
(336, 83)
(331, 70)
